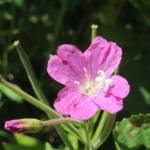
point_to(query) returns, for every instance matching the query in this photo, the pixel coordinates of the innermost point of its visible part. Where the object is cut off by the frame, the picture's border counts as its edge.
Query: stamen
(99, 78)
(86, 74)
(84, 69)
(88, 85)
(92, 86)
(101, 72)
(109, 81)
(76, 82)
(107, 84)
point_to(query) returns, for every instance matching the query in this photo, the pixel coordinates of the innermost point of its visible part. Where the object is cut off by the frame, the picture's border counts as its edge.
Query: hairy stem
(58, 121)
(29, 98)
(30, 73)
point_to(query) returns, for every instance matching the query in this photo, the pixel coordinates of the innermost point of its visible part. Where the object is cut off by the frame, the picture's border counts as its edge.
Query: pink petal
(60, 71)
(85, 109)
(71, 102)
(63, 104)
(120, 86)
(103, 55)
(65, 50)
(108, 103)
(74, 57)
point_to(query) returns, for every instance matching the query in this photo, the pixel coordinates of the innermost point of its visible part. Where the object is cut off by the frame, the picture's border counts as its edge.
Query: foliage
(132, 133)
(23, 142)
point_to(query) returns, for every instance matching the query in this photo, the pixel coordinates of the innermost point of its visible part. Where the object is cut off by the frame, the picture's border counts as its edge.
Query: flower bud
(27, 125)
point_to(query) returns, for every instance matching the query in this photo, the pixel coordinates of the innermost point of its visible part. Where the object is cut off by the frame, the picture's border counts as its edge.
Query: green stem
(87, 134)
(59, 20)
(106, 132)
(64, 137)
(29, 98)
(58, 121)
(73, 130)
(111, 13)
(5, 61)
(93, 121)
(30, 73)
(101, 126)
(94, 31)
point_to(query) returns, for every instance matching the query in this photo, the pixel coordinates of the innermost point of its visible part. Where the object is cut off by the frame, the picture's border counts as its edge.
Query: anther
(109, 81)
(84, 69)
(99, 78)
(76, 82)
(101, 72)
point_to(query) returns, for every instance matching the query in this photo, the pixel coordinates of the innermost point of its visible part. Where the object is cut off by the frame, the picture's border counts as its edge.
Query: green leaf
(10, 94)
(18, 3)
(2, 2)
(74, 141)
(15, 31)
(106, 131)
(9, 48)
(96, 117)
(100, 127)
(8, 16)
(72, 136)
(4, 134)
(23, 142)
(2, 101)
(33, 19)
(67, 129)
(14, 146)
(145, 94)
(64, 137)
(131, 133)
(143, 7)
(79, 133)
(26, 140)
(94, 120)
(48, 146)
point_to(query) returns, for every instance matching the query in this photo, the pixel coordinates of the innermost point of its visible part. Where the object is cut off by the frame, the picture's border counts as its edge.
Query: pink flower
(14, 126)
(88, 78)
(27, 125)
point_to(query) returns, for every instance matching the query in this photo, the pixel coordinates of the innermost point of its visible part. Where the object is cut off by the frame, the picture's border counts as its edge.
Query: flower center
(92, 87)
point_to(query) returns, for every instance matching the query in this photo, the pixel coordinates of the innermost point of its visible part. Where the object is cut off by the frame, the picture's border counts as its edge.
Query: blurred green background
(41, 26)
